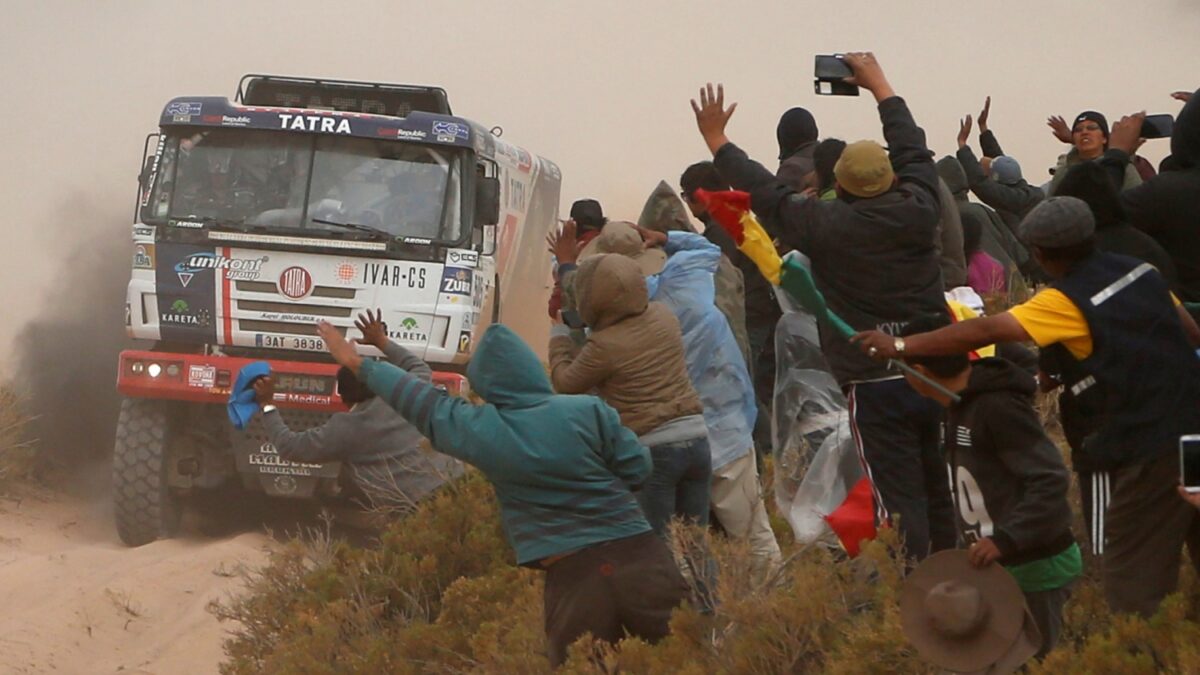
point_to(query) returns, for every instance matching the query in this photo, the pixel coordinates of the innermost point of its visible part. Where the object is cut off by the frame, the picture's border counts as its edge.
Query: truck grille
(291, 308)
(318, 292)
(284, 327)
(291, 318)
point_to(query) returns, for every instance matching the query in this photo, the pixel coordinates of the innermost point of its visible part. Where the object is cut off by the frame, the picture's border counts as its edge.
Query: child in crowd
(1009, 481)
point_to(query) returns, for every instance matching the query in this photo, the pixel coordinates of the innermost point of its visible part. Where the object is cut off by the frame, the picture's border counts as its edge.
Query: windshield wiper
(354, 226)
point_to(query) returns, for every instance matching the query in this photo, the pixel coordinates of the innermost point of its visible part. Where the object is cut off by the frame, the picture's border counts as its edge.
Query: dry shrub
(440, 594)
(18, 458)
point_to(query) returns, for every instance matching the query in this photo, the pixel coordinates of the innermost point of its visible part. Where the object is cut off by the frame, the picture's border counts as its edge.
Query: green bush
(440, 594)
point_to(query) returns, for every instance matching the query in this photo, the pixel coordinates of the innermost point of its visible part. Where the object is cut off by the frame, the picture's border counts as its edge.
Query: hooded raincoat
(714, 362)
(563, 467)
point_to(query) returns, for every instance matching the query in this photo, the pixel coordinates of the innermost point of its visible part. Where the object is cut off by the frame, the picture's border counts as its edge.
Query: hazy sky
(600, 88)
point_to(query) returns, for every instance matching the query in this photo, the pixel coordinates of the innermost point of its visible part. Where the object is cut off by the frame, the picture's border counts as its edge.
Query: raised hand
(964, 131)
(563, 244)
(374, 330)
(983, 114)
(1058, 127)
(1126, 133)
(342, 351)
(868, 74)
(712, 116)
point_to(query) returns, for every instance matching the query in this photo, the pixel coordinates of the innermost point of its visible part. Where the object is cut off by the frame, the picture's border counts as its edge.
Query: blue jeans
(679, 485)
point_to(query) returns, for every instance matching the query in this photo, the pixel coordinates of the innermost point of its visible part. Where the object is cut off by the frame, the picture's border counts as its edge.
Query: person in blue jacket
(564, 470)
(719, 374)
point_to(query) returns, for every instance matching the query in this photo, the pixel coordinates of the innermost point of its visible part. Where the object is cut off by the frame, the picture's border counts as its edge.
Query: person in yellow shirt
(1135, 346)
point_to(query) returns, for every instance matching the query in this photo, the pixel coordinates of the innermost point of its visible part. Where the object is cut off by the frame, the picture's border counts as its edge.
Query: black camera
(830, 76)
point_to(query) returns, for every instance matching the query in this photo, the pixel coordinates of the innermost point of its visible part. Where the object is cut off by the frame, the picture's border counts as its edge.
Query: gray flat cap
(1058, 222)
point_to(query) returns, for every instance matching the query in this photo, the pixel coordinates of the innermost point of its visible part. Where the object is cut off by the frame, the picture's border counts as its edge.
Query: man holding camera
(875, 259)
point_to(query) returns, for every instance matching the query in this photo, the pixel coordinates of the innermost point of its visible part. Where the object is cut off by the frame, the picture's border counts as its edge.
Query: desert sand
(78, 601)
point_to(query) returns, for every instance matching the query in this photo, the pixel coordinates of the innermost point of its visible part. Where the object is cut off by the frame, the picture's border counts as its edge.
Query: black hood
(1185, 140)
(796, 128)
(998, 375)
(951, 170)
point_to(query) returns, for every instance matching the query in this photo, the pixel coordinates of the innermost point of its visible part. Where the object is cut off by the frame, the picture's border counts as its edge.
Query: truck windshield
(274, 180)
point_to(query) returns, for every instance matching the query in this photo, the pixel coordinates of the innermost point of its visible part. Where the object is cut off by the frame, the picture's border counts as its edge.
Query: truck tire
(144, 505)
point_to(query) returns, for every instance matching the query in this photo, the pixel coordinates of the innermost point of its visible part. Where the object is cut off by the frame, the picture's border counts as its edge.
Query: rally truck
(303, 200)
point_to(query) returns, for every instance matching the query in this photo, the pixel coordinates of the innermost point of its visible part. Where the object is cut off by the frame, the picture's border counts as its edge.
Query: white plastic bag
(816, 462)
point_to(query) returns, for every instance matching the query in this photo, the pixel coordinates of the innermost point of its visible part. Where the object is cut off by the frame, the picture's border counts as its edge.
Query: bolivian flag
(731, 210)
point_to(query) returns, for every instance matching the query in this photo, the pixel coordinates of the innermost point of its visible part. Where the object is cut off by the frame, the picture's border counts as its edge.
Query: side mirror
(487, 201)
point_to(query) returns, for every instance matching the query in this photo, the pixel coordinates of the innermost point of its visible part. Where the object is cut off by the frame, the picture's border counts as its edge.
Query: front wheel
(145, 507)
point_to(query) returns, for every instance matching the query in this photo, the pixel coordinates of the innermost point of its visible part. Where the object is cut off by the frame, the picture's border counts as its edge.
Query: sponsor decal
(306, 399)
(412, 134)
(410, 331)
(143, 231)
(295, 283)
(267, 460)
(322, 123)
(193, 224)
(143, 257)
(417, 240)
(181, 119)
(346, 272)
(394, 276)
(289, 317)
(464, 342)
(446, 132)
(204, 377)
(181, 314)
(184, 108)
(456, 281)
(299, 383)
(240, 269)
(462, 258)
(226, 120)
(285, 484)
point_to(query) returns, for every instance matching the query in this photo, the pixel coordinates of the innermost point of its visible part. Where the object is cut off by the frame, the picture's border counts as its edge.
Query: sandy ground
(75, 600)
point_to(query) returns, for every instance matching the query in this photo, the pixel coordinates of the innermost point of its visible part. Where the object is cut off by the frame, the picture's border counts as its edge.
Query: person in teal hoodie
(564, 470)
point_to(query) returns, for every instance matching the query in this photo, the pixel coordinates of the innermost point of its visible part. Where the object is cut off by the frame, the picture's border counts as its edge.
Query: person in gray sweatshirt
(386, 462)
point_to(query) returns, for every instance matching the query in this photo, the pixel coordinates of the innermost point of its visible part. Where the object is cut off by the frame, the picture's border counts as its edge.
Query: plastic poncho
(715, 364)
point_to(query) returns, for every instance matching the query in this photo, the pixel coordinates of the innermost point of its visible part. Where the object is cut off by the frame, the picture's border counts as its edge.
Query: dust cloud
(66, 354)
(601, 89)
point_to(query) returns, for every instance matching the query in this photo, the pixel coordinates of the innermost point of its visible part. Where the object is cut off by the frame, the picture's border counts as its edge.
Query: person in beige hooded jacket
(634, 359)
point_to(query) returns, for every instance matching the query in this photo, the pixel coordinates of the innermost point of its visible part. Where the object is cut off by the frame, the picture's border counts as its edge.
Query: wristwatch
(898, 345)
(268, 408)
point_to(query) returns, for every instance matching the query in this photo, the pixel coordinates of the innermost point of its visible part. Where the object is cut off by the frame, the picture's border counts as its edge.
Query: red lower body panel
(209, 379)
